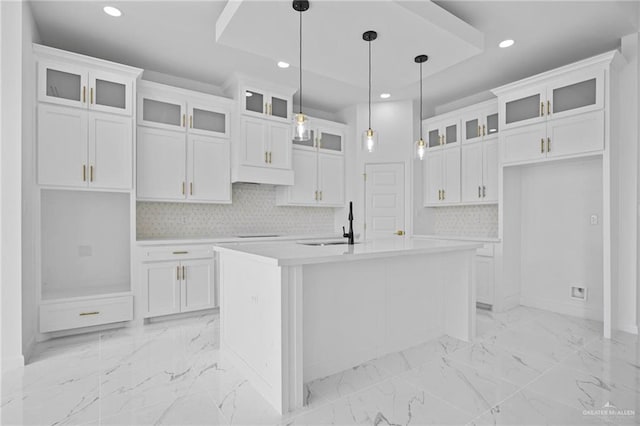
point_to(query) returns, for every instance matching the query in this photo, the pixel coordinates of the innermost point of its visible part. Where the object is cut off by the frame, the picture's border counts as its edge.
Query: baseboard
(627, 328)
(28, 350)
(562, 308)
(12, 363)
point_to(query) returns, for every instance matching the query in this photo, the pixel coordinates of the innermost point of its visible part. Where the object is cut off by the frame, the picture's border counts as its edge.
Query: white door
(208, 168)
(331, 179)
(451, 178)
(384, 200)
(305, 169)
(280, 146)
(161, 288)
(472, 172)
(197, 285)
(254, 142)
(433, 178)
(490, 171)
(161, 164)
(110, 151)
(62, 146)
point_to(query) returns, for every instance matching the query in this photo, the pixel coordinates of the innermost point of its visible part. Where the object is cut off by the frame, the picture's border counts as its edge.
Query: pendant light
(369, 137)
(301, 125)
(420, 144)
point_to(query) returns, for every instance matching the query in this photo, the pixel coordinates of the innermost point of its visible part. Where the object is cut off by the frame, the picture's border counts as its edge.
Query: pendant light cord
(369, 84)
(420, 101)
(300, 62)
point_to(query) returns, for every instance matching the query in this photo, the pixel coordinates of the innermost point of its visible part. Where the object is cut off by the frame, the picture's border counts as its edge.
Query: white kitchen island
(292, 312)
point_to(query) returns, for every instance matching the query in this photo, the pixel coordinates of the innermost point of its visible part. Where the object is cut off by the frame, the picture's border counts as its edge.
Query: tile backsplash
(253, 211)
(466, 221)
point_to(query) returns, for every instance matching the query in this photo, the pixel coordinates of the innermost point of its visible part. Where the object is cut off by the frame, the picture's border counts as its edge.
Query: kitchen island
(292, 312)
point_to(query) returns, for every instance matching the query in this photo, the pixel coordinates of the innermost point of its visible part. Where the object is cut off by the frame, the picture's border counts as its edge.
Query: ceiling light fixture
(283, 64)
(112, 11)
(385, 95)
(420, 144)
(506, 43)
(369, 137)
(301, 125)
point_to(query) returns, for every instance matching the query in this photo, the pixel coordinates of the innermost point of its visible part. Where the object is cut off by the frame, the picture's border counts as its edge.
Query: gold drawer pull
(84, 172)
(191, 121)
(190, 188)
(180, 252)
(84, 314)
(91, 96)
(84, 94)
(548, 107)
(183, 184)
(91, 173)
(184, 119)
(177, 273)
(542, 146)
(541, 109)
(184, 273)
(269, 157)
(484, 130)
(548, 144)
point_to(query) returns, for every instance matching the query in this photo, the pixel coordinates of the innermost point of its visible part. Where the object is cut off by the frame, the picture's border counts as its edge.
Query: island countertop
(301, 253)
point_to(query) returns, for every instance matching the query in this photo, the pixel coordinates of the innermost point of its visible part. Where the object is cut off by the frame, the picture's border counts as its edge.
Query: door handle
(84, 173)
(266, 157)
(400, 232)
(177, 273)
(191, 121)
(541, 109)
(90, 173)
(184, 119)
(548, 144)
(548, 107)
(484, 191)
(183, 184)
(484, 130)
(479, 193)
(542, 146)
(190, 188)
(84, 94)
(184, 273)
(270, 157)
(91, 96)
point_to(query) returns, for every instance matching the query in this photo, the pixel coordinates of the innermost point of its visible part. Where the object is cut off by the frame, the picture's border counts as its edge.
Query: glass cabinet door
(576, 95)
(279, 107)
(255, 102)
(523, 109)
(492, 125)
(62, 84)
(331, 141)
(472, 129)
(306, 142)
(110, 93)
(451, 134)
(208, 120)
(162, 113)
(433, 138)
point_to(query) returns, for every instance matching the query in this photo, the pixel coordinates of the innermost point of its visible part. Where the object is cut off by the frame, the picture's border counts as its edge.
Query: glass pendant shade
(301, 127)
(420, 149)
(369, 140)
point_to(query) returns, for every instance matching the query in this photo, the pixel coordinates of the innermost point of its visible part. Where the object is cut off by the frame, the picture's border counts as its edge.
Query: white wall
(10, 178)
(559, 245)
(29, 195)
(394, 122)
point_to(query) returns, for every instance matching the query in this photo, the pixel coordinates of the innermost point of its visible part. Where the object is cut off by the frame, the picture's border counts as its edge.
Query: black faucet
(349, 235)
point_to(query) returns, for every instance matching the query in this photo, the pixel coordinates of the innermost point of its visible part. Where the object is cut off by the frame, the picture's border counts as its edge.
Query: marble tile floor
(526, 367)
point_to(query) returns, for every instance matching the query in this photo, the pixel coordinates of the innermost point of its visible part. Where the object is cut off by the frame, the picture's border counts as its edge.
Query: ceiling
(178, 38)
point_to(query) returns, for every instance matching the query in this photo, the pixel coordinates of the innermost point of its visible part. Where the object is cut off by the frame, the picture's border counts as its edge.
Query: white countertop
(160, 241)
(458, 238)
(293, 253)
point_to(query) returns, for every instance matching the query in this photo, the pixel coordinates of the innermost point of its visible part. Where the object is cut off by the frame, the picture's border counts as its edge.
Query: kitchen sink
(324, 243)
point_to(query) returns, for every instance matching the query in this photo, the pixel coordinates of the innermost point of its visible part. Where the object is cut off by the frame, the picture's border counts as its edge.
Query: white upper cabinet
(110, 151)
(442, 177)
(318, 165)
(559, 113)
(184, 151)
(442, 131)
(262, 103)
(82, 86)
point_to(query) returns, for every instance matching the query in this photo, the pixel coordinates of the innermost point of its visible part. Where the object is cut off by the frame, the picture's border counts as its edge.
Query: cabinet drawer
(85, 313)
(486, 250)
(176, 253)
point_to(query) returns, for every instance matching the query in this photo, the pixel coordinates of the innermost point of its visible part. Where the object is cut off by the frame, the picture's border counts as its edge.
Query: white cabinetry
(318, 164)
(183, 146)
(485, 275)
(176, 279)
(263, 123)
(558, 116)
(442, 176)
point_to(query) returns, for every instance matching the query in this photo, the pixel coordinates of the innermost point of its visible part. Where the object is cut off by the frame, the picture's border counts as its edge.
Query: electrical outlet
(579, 293)
(594, 219)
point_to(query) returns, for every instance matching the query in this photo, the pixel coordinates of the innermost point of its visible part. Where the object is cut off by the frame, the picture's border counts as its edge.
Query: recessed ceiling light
(283, 64)
(385, 95)
(506, 43)
(112, 11)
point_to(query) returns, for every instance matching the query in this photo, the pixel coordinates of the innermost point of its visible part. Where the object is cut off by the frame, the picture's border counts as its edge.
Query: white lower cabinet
(174, 286)
(485, 275)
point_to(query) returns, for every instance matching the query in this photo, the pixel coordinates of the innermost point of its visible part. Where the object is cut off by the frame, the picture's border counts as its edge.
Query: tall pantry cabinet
(84, 169)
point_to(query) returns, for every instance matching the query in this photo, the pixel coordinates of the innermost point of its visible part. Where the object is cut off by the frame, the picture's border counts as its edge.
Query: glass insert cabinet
(77, 86)
(259, 102)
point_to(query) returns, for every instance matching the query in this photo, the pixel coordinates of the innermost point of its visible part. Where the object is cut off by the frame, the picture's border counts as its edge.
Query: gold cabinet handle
(184, 120)
(184, 273)
(484, 191)
(444, 194)
(316, 195)
(190, 188)
(177, 273)
(548, 107)
(541, 109)
(84, 173)
(270, 111)
(84, 314)
(84, 94)
(90, 173)
(91, 96)
(270, 157)
(183, 185)
(484, 130)
(191, 121)
(266, 108)
(548, 144)
(542, 146)
(479, 193)
(320, 195)
(180, 252)
(439, 194)
(479, 131)
(399, 232)
(266, 157)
